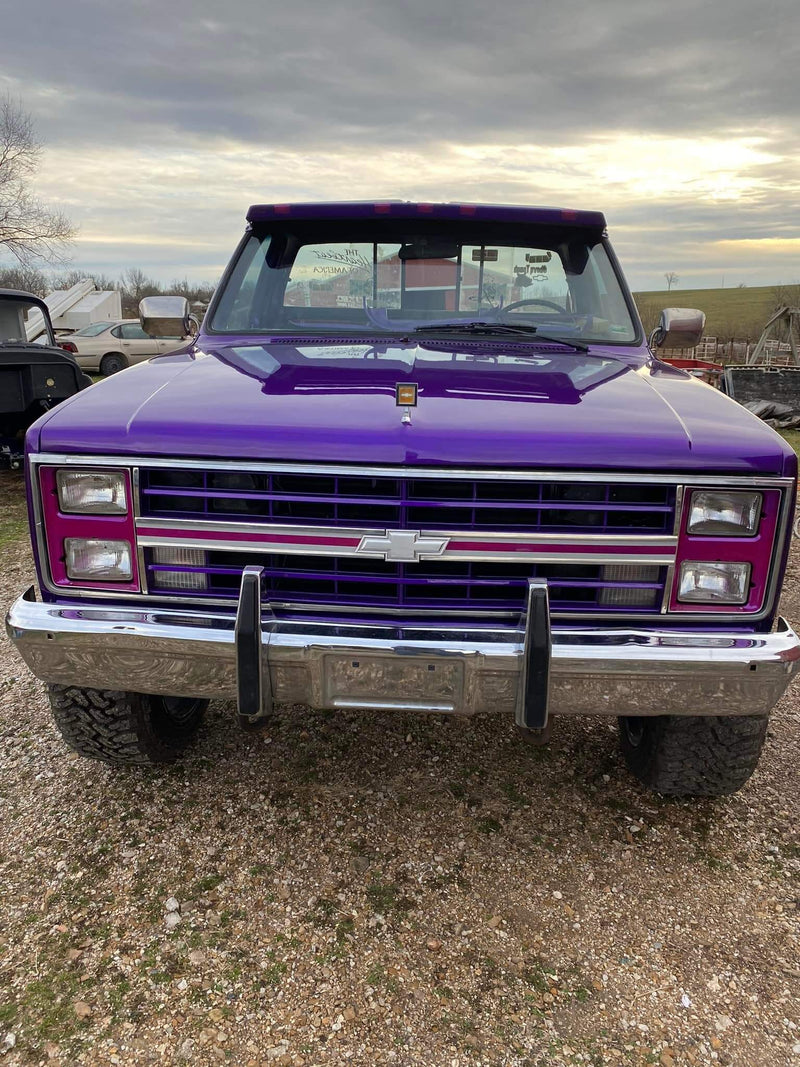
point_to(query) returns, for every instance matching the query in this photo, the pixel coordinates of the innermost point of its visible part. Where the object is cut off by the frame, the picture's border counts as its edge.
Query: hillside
(731, 314)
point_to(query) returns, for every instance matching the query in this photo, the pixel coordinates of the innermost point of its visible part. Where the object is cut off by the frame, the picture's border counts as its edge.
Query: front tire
(125, 728)
(113, 363)
(697, 755)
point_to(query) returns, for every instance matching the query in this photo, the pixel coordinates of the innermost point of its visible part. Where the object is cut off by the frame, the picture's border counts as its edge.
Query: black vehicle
(33, 376)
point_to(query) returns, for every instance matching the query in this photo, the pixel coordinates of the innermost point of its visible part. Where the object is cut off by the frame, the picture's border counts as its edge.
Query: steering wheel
(534, 300)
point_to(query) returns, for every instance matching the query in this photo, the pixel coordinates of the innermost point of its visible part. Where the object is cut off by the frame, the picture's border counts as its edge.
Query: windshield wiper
(522, 329)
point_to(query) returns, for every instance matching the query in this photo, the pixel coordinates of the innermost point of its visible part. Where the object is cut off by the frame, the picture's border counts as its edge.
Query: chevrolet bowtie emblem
(403, 546)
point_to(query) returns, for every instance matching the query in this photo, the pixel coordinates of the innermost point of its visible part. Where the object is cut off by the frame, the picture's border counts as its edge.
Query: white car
(111, 346)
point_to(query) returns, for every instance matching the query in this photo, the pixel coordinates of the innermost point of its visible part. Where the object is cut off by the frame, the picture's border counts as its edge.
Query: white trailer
(74, 308)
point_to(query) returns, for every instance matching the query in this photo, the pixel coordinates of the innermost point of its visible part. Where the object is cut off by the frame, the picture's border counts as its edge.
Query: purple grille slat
(467, 586)
(271, 572)
(406, 502)
(512, 610)
(547, 505)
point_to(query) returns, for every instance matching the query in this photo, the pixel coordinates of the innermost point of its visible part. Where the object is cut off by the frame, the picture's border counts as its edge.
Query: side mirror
(678, 328)
(164, 316)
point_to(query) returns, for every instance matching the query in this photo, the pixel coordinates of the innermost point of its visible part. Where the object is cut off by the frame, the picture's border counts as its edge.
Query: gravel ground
(386, 889)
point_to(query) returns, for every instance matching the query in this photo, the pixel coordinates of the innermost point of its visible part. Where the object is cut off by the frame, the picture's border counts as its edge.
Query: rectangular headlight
(724, 514)
(98, 561)
(714, 583)
(92, 492)
(180, 557)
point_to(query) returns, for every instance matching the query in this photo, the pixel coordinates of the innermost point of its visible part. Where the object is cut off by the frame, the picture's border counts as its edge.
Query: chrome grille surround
(488, 539)
(579, 545)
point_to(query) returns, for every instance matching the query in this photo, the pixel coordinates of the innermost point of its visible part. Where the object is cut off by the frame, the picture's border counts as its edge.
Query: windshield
(330, 277)
(20, 318)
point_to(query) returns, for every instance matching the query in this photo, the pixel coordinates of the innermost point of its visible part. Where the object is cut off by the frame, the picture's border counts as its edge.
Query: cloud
(163, 123)
(316, 73)
(159, 207)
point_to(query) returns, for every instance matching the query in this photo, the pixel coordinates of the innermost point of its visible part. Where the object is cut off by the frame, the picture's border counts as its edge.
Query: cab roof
(23, 295)
(404, 209)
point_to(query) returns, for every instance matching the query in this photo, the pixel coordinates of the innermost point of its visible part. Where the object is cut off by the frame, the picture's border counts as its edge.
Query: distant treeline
(133, 284)
(731, 314)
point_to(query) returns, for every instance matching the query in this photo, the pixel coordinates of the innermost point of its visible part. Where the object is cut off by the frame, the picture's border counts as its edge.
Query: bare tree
(67, 278)
(104, 282)
(786, 295)
(193, 291)
(135, 285)
(671, 278)
(29, 230)
(30, 279)
(180, 287)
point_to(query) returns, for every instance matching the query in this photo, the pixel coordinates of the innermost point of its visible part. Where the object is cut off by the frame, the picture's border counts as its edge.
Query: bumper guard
(528, 672)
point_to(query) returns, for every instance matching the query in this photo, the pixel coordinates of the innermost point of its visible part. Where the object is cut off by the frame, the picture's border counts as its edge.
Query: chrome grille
(432, 585)
(408, 502)
(346, 581)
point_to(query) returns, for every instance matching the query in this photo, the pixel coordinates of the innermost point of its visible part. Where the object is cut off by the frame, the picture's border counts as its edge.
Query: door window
(132, 331)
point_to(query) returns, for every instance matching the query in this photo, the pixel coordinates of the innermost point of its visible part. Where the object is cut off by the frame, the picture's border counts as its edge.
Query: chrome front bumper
(407, 668)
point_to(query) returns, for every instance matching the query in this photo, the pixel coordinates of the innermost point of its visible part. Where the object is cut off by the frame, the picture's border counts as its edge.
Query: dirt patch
(385, 889)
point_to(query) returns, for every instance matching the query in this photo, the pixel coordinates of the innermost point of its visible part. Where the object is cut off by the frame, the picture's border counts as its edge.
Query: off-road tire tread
(111, 726)
(702, 755)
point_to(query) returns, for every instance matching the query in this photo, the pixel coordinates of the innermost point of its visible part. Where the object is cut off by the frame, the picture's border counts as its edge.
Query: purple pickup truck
(420, 457)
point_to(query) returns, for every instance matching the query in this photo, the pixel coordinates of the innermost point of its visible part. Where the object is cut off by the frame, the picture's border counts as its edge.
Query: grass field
(793, 437)
(731, 314)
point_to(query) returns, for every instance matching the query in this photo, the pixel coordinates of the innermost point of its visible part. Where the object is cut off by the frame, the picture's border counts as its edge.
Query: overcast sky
(164, 121)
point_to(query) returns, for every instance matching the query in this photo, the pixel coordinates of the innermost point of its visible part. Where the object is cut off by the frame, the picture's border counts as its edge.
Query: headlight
(95, 492)
(724, 514)
(180, 557)
(714, 583)
(98, 561)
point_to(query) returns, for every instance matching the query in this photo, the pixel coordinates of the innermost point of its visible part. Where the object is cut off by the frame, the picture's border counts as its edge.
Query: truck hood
(486, 404)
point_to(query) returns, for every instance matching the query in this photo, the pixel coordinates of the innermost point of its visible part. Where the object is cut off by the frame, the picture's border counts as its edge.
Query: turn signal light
(180, 557)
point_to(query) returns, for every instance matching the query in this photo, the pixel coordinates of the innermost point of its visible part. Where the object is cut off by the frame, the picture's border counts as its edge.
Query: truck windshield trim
(344, 278)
